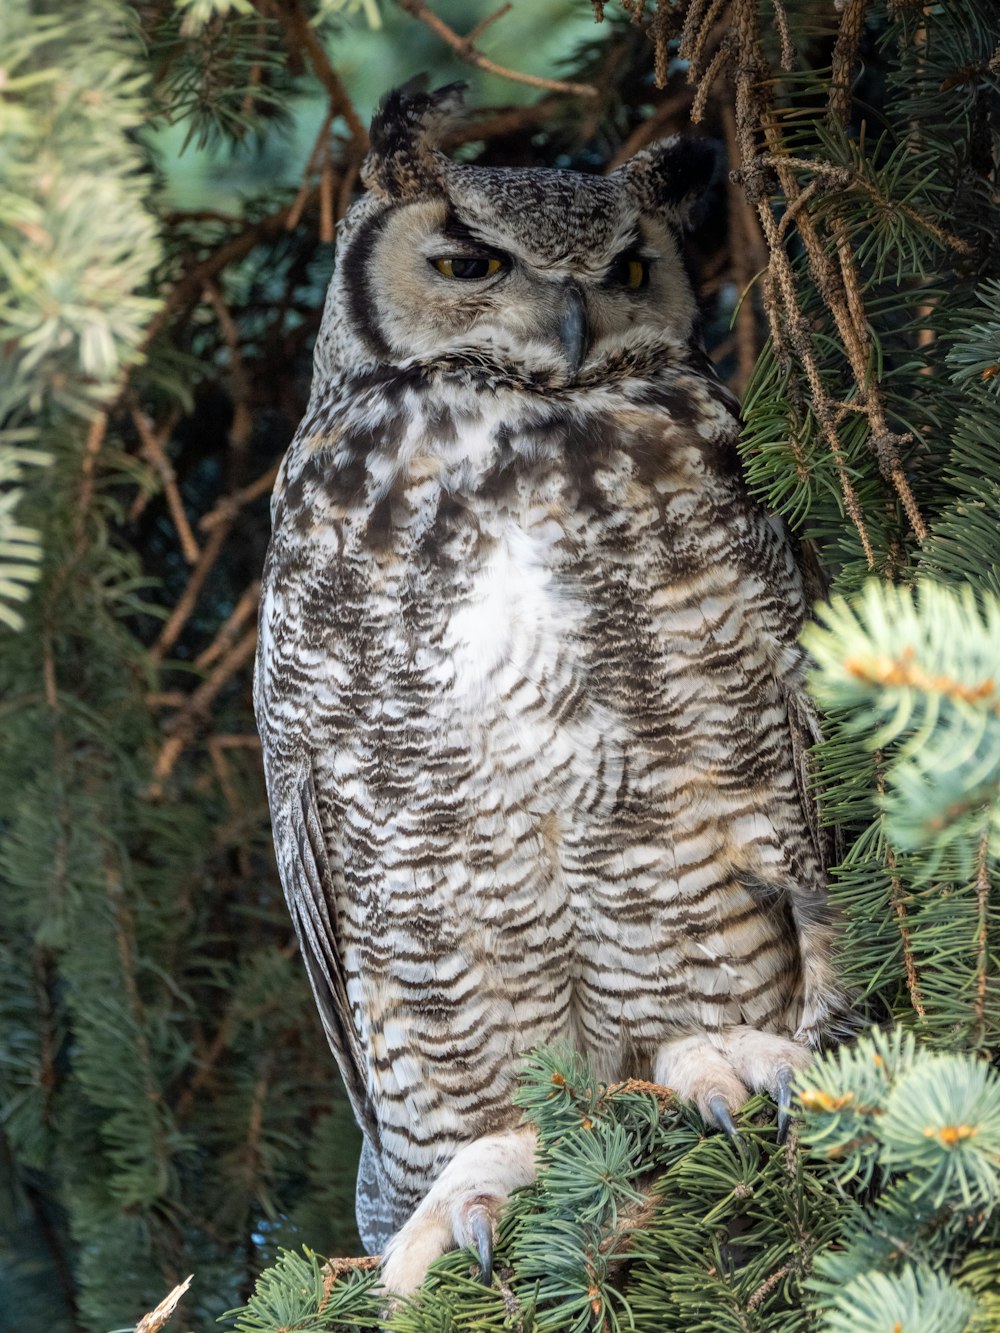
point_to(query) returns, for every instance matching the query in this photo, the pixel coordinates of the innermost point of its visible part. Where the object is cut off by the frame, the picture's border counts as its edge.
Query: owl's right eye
(468, 266)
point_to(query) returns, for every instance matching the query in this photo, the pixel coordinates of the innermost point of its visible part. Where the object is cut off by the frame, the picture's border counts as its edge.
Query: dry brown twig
(185, 604)
(302, 36)
(466, 50)
(239, 432)
(231, 626)
(153, 449)
(230, 505)
(755, 117)
(185, 721)
(155, 1320)
(316, 152)
(673, 109)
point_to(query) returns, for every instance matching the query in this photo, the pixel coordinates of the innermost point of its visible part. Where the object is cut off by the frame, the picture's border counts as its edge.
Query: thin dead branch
(153, 449)
(464, 48)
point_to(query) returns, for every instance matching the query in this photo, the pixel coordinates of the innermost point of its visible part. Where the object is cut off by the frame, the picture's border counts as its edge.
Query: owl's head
(521, 269)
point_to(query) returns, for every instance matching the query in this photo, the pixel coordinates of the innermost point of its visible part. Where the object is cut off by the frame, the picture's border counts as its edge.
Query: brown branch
(256, 74)
(784, 36)
(154, 452)
(492, 124)
(845, 57)
(748, 256)
(303, 37)
(183, 724)
(473, 35)
(88, 471)
(843, 178)
(188, 289)
(156, 1319)
(239, 432)
(698, 33)
(335, 1269)
(840, 291)
(464, 48)
(899, 900)
(186, 603)
(246, 606)
(664, 1096)
(319, 144)
(230, 505)
(165, 699)
(676, 106)
(707, 82)
(326, 231)
(762, 1292)
(237, 741)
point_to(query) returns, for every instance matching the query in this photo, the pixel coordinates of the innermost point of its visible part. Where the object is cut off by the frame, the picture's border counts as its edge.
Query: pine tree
(167, 1101)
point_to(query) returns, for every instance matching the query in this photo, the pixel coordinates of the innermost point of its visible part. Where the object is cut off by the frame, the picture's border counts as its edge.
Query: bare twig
(95, 441)
(672, 109)
(845, 57)
(315, 153)
(230, 505)
(186, 603)
(183, 724)
(464, 48)
(326, 197)
(473, 35)
(190, 288)
(303, 36)
(899, 900)
(239, 433)
(761, 1293)
(748, 256)
(153, 450)
(231, 626)
(156, 1319)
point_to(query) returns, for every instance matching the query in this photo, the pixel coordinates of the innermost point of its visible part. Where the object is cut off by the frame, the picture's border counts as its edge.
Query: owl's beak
(574, 335)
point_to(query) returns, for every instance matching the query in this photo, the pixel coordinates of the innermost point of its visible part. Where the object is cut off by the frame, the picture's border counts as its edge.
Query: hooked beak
(573, 330)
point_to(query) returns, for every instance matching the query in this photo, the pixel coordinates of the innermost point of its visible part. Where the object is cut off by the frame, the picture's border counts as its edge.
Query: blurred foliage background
(171, 175)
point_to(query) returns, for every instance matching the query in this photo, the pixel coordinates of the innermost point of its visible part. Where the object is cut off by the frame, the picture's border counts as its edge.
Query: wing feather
(309, 889)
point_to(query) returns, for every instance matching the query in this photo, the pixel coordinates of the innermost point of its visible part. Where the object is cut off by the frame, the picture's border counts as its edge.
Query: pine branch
(921, 666)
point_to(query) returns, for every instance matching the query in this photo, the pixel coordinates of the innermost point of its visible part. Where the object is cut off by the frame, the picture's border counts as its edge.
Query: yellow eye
(468, 266)
(636, 274)
(628, 271)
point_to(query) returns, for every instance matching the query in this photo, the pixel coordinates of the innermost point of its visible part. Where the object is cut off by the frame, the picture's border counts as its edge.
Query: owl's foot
(461, 1208)
(717, 1071)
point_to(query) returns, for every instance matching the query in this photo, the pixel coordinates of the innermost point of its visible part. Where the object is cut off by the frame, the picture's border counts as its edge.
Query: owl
(528, 682)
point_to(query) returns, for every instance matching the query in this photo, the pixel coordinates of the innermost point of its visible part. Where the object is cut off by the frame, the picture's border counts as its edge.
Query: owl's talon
(784, 1081)
(724, 1118)
(481, 1226)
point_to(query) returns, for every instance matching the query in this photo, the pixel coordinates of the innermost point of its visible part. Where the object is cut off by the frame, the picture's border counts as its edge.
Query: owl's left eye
(628, 270)
(468, 266)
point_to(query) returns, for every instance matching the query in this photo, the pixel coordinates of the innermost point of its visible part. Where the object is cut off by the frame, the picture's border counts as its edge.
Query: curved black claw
(784, 1103)
(724, 1119)
(481, 1225)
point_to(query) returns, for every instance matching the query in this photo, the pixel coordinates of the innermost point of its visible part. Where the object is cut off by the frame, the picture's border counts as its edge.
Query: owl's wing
(308, 879)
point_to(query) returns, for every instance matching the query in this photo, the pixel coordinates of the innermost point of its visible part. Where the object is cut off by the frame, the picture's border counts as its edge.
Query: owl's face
(528, 269)
(448, 278)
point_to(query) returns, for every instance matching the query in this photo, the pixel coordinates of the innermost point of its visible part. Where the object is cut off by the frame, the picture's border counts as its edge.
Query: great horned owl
(528, 685)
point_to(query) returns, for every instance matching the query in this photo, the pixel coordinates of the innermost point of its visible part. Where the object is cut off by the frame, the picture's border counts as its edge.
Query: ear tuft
(669, 177)
(403, 162)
